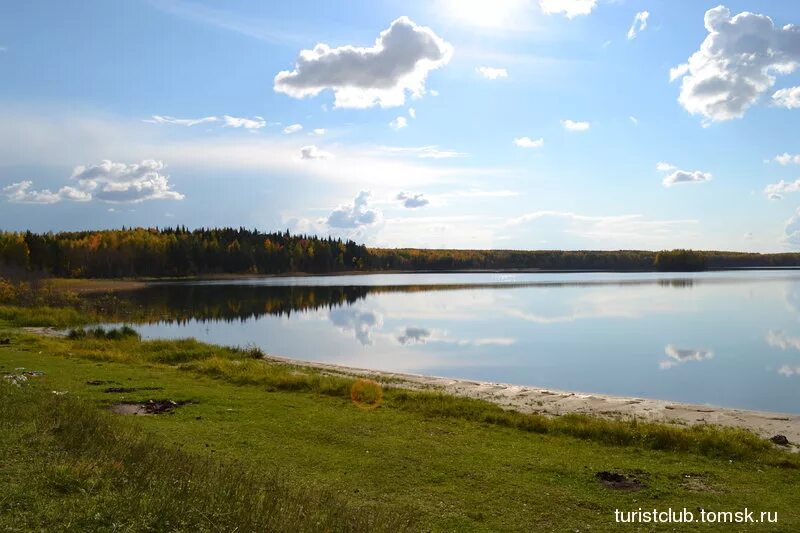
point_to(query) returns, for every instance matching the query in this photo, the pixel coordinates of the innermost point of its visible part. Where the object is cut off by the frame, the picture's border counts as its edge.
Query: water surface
(723, 338)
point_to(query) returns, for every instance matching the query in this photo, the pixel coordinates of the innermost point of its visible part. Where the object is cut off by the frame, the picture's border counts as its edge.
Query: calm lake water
(723, 338)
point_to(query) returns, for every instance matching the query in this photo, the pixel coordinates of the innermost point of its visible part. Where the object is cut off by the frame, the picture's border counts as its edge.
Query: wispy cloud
(639, 24)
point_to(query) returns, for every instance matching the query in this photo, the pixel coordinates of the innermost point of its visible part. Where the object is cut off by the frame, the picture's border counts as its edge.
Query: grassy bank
(422, 460)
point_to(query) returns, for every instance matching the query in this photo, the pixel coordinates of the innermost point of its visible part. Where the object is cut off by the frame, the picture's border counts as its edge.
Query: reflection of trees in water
(231, 302)
(677, 283)
(228, 303)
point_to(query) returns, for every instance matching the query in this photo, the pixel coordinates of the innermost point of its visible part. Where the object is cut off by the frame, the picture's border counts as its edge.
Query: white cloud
(779, 339)
(785, 159)
(20, 193)
(355, 215)
(159, 119)
(412, 201)
(311, 152)
(318, 131)
(255, 123)
(677, 356)
(292, 128)
(792, 230)
(774, 191)
(492, 73)
(736, 63)
(527, 142)
(683, 176)
(677, 176)
(412, 112)
(572, 125)
(789, 371)
(788, 98)
(423, 152)
(639, 24)
(125, 182)
(108, 182)
(398, 123)
(399, 62)
(622, 228)
(634, 120)
(570, 8)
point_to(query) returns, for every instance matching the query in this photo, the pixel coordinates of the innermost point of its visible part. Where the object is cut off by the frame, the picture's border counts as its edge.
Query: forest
(180, 252)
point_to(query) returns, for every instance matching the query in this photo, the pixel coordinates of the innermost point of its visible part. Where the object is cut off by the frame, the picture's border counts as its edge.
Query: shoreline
(84, 285)
(554, 402)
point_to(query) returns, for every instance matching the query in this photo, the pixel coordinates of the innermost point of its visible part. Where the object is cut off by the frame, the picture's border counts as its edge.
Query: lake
(722, 338)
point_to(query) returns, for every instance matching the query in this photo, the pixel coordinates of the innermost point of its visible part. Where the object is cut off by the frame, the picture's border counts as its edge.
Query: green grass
(96, 473)
(452, 464)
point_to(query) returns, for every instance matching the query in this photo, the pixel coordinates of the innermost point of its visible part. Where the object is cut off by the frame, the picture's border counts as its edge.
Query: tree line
(177, 252)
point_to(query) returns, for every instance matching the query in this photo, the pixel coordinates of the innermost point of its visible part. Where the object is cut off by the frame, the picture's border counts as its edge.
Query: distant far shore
(93, 285)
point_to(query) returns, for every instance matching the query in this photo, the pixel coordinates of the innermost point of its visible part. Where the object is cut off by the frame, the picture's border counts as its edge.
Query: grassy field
(264, 446)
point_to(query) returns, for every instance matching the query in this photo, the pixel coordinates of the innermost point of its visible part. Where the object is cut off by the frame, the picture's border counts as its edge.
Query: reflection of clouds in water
(779, 339)
(416, 335)
(360, 323)
(678, 356)
(793, 297)
(601, 304)
(789, 371)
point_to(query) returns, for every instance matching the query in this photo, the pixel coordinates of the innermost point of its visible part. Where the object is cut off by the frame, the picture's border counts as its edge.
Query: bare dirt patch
(617, 481)
(150, 407)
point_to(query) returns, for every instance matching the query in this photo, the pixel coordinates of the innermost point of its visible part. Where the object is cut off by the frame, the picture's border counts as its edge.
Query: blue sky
(504, 124)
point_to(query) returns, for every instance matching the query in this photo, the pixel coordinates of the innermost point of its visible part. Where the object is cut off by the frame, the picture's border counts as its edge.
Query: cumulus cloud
(785, 159)
(683, 176)
(125, 182)
(398, 63)
(676, 176)
(412, 201)
(412, 112)
(399, 123)
(21, 193)
(572, 125)
(318, 131)
(775, 191)
(254, 123)
(677, 356)
(492, 73)
(107, 181)
(639, 24)
(788, 98)
(570, 8)
(159, 119)
(292, 128)
(311, 152)
(736, 63)
(355, 215)
(527, 142)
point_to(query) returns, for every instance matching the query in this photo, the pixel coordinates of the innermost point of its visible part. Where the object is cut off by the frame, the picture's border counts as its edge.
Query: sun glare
(483, 13)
